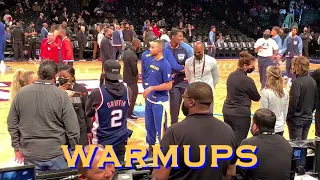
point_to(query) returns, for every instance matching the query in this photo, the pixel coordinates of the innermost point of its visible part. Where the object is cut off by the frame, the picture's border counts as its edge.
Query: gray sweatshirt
(41, 119)
(270, 100)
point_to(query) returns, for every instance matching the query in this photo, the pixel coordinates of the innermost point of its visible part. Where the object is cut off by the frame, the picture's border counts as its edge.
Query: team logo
(181, 57)
(295, 42)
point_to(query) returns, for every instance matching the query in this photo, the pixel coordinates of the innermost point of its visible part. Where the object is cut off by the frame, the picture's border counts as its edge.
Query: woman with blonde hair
(21, 78)
(275, 97)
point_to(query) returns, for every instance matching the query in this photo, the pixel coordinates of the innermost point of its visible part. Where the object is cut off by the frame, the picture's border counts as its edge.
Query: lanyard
(45, 83)
(194, 65)
(267, 133)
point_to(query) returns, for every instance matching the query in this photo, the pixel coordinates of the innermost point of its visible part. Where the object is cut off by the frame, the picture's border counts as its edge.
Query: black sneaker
(150, 152)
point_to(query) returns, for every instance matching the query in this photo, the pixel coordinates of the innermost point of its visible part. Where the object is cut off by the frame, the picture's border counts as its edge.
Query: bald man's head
(96, 173)
(136, 44)
(198, 50)
(62, 32)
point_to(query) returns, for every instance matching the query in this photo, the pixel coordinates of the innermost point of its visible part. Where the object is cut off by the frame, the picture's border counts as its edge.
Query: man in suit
(82, 41)
(44, 31)
(106, 46)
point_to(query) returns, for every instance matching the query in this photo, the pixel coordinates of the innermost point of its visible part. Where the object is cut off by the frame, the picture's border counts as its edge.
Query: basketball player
(267, 50)
(109, 104)
(146, 59)
(181, 52)
(292, 47)
(157, 105)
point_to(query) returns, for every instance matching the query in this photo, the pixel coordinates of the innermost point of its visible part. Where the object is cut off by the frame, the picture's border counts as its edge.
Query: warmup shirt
(278, 41)
(264, 54)
(109, 104)
(180, 54)
(49, 50)
(292, 47)
(157, 101)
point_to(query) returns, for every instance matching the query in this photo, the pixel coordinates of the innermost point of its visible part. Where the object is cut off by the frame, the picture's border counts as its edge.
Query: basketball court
(88, 73)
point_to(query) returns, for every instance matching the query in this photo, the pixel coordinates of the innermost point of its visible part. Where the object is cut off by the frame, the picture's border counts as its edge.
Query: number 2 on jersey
(116, 115)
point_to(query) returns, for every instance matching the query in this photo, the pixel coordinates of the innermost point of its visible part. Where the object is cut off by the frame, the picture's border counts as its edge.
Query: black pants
(175, 101)
(32, 49)
(298, 129)
(83, 137)
(240, 126)
(18, 50)
(280, 133)
(133, 98)
(82, 47)
(306, 49)
(120, 151)
(263, 64)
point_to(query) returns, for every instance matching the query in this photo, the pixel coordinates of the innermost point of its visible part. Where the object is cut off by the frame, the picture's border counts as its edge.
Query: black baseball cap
(112, 69)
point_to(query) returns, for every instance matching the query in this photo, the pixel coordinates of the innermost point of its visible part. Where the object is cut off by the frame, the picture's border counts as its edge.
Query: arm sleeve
(279, 43)
(275, 46)
(215, 73)
(295, 92)
(172, 60)
(70, 121)
(121, 37)
(69, 49)
(13, 124)
(264, 101)
(284, 46)
(93, 101)
(133, 63)
(189, 50)
(211, 37)
(300, 45)
(253, 92)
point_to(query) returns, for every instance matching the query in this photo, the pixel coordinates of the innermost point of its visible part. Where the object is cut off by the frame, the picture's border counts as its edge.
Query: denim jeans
(52, 164)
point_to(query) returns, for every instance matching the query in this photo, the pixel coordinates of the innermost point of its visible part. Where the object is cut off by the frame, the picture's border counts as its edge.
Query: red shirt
(156, 31)
(49, 50)
(66, 49)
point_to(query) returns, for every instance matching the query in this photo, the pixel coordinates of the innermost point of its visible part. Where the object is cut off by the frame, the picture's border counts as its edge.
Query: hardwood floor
(89, 73)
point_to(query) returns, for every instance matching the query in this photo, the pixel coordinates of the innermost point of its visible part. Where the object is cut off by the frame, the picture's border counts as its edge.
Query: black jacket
(130, 69)
(303, 98)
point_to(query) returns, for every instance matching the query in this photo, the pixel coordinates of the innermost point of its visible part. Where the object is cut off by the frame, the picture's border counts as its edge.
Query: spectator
(21, 78)
(303, 100)
(38, 130)
(275, 97)
(262, 129)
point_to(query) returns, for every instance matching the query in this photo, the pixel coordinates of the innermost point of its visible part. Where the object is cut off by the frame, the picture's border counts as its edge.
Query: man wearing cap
(109, 105)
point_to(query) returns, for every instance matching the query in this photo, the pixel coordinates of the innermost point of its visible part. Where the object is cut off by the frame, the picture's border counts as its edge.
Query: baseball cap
(112, 69)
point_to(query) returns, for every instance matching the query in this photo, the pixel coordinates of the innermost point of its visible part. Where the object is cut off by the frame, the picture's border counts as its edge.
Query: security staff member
(181, 52)
(267, 50)
(241, 89)
(106, 47)
(82, 41)
(274, 152)
(131, 73)
(199, 128)
(17, 39)
(31, 36)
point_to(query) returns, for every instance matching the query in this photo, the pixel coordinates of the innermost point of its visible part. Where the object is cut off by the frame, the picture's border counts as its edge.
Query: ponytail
(20, 79)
